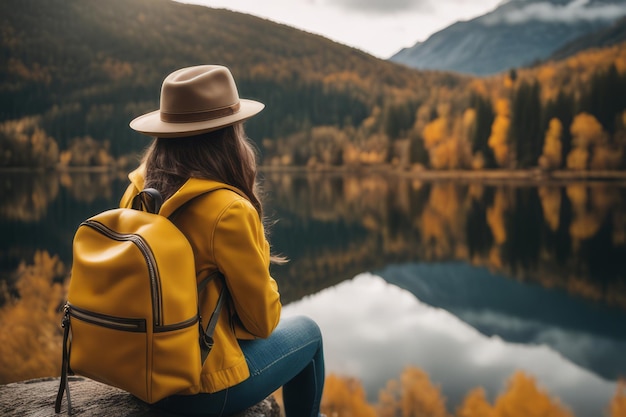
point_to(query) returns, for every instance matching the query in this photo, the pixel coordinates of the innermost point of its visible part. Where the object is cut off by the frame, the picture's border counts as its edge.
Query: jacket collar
(192, 188)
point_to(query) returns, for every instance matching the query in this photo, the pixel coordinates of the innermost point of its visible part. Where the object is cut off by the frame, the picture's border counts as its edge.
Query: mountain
(589, 335)
(612, 35)
(517, 33)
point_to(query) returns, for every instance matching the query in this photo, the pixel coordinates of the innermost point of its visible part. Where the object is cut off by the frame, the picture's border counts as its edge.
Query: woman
(201, 156)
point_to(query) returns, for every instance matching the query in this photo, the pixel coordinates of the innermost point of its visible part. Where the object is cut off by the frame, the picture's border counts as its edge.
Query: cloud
(373, 329)
(384, 6)
(577, 10)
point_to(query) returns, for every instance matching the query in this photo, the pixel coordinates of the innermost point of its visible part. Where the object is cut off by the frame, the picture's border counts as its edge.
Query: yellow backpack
(132, 316)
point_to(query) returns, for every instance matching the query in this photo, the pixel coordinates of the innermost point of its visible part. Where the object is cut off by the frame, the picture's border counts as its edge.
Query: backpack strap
(65, 367)
(206, 335)
(155, 202)
(149, 199)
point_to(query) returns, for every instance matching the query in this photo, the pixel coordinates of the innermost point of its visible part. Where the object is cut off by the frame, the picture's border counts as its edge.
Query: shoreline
(530, 176)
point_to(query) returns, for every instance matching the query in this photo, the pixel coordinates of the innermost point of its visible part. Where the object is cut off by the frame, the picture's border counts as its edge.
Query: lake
(467, 281)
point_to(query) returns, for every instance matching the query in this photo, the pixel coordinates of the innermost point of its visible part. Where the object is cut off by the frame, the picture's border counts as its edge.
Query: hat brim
(151, 124)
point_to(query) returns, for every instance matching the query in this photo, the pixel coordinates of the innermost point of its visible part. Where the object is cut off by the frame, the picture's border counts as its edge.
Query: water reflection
(591, 335)
(373, 330)
(569, 236)
(25, 198)
(42, 211)
(520, 272)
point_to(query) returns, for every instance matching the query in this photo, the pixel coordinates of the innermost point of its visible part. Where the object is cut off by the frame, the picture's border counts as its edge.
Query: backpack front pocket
(114, 350)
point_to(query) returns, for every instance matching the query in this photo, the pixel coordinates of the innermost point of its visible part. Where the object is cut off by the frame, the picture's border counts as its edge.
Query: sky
(378, 27)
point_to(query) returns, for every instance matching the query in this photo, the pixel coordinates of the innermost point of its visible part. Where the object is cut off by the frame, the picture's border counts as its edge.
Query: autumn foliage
(414, 395)
(617, 408)
(345, 397)
(31, 336)
(326, 104)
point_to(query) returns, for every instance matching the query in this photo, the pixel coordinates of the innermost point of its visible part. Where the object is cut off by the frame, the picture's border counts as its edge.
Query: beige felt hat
(196, 100)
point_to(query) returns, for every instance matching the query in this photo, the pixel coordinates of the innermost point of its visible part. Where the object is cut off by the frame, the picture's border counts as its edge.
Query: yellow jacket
(226, 233)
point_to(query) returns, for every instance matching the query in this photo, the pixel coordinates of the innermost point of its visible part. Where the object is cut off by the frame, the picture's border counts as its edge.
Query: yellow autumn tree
(496, 220)
(446, 149)
(388, 401)
(441, 220)
(30, 323)
(498, 141)
(414, 396)
(586, 219)
(577, 159)
(23, 143)
(586, 132)
(523, 398)
(605, 157)
(345, 397)
(496, 216)
(551, 156)
(617, 408)
(326, 144)
(475, 404)
(87, 151)
(550, 198)
(435, 134)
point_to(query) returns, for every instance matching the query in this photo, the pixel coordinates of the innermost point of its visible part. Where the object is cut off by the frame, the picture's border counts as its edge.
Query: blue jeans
(292, 357)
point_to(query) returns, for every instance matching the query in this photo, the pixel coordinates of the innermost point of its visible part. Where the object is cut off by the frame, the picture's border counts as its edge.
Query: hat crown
(199, 89)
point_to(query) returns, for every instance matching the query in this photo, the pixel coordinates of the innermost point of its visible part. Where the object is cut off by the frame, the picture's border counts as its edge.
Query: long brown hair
(224, 155)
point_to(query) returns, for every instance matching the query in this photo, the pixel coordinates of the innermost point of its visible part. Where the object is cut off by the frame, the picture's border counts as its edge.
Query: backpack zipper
(148, 256)
(111, 322)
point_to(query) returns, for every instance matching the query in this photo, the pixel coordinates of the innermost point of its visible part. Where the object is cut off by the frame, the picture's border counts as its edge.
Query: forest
(76, 72)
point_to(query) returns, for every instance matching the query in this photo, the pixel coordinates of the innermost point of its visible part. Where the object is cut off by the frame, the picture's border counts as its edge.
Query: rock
(35, 398)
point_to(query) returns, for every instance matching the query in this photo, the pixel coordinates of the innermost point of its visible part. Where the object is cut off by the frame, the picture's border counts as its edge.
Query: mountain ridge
(614, 34)
(500, 307)
(517, 33)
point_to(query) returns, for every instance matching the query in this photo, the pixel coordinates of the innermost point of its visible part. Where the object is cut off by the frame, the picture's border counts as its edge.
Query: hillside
(612, 35)
(84, 68)
(516, 33)
(77, 71)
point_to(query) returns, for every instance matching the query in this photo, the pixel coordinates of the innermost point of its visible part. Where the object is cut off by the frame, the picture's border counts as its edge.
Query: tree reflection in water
(333, 227)
(571, 236)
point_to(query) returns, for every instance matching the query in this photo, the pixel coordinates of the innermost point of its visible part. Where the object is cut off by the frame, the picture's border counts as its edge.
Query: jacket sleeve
(242, 254)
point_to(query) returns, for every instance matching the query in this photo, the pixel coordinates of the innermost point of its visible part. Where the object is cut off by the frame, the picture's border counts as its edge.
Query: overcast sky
(379, 27)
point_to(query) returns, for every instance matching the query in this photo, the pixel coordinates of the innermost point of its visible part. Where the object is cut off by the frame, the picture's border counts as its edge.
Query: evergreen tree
(417, 152)
(398, 118)
(525, 133)
(484, 120)
(606, 97)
